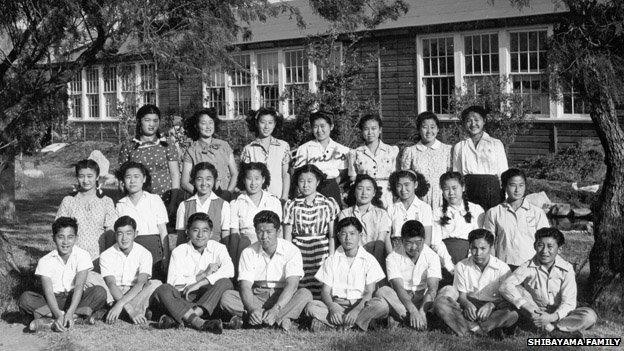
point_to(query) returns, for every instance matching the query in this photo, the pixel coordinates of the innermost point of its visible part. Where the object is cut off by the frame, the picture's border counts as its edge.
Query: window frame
(555, 114)
(84, 108)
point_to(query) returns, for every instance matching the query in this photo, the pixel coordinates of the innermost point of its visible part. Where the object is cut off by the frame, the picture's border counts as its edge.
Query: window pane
(481, 53)
(92, 80)
(534, 90)
(438, 93)
(267, 68)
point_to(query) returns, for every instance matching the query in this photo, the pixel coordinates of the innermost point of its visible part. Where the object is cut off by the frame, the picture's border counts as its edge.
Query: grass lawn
(37, 202)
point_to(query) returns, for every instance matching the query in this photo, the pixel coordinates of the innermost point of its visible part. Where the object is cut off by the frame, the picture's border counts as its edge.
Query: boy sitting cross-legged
(349, 277)
(63, 272)
(126, 268)
(414, 273)
(544, 289)
(199, 274)
(473, 302)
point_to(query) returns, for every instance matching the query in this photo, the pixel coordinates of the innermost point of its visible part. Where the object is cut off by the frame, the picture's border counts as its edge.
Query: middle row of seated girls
(308, 217)
(480, 158)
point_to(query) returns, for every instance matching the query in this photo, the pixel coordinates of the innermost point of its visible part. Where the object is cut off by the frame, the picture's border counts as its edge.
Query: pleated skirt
(483, 190)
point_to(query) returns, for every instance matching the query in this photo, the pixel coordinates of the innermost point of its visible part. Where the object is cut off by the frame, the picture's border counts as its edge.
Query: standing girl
(408, 186)
(153, 151)
(203, 177)
(454, 220)
(309, 222)
(94, 212)
(429, 156)
(149, 212)
(326, 154)
(273, 152)
(514, 221)
(480, 158)
(206, 148)
(375, 158)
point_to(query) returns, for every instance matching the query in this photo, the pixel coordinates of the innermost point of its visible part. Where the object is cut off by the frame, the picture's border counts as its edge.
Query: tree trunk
(7, 184)
(607, 255)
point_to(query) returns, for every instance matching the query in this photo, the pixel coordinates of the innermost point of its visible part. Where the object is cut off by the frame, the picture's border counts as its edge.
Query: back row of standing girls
(209, 172)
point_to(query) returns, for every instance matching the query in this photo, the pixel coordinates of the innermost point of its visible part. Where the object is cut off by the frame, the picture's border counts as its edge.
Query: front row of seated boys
(485, 296)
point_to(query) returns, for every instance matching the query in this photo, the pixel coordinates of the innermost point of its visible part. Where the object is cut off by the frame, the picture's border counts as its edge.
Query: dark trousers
(171, 301)
(483, 190)
(330, 188)
(153, 244)
(35, 304)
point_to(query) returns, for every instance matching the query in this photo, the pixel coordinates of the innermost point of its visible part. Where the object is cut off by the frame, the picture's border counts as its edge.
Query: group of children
(295, 249)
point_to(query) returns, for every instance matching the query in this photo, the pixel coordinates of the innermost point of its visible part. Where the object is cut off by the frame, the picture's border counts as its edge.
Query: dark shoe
(166, 322)
(565, 334)
(148, 314)
(318, 326)
(235, 322)
(96, 316)
(213, 325)
(40, 324)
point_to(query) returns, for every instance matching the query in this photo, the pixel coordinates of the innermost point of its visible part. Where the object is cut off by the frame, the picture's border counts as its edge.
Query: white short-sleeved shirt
(63, 275)
(256, 266)
(414, 275)
(199, 207)
(457, 226)
(243, 210)
(418, 210)
(481, 285)
(329, 160)
(487, 158)
(148, 213)
(186, 262)
(348, 280)
(126, 269)
(514, 231)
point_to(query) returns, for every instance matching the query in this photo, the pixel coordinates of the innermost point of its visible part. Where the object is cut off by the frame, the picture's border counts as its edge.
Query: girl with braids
(94, 212)
(273, 152)
(408, 187)
(514, 221)
(206, 148)
(153, 151)
(364, 199)
(454, 220)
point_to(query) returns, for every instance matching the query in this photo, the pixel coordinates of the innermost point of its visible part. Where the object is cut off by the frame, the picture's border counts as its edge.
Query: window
(93, 106)
(148, 84)
(268, 79)
(215, 91)
(438, 73)
(480, 59)
(129, 87)
(528, 63)
(75, 96)
(241, 85)
(296, 65)
(572, 102)
(110, 91)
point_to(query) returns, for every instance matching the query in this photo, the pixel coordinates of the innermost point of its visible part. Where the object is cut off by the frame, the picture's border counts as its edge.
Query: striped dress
(310, 233)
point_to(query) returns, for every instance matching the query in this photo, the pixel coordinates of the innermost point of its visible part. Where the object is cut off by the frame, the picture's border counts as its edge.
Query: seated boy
(414, 274)
(544, 288)
(473, 301)
(269, 273)
(126, 268)
(199, 274)
(349, 277)
(63, 272)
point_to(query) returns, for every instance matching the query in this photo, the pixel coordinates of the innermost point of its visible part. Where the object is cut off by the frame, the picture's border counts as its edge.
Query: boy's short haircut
(550, 233)
(347, 221)
(412, 229)
(124, 221)
(64, 222)
(199, 216)
(266, 216)
(481, 234)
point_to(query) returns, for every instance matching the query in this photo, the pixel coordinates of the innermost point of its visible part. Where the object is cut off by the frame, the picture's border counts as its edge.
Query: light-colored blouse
(431, 161)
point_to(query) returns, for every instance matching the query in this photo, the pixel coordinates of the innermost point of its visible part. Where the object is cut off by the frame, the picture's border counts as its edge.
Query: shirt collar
(247, 199)
(191, 248)
(279, 250)
(491, 263)
(331, 145)
(559, 263)
(126, 199)
(119, 252)
(525, 205)
(272, 141)
(360, 252)
(195, 197)
(421, 147)
(55, 253)
(356, 209)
